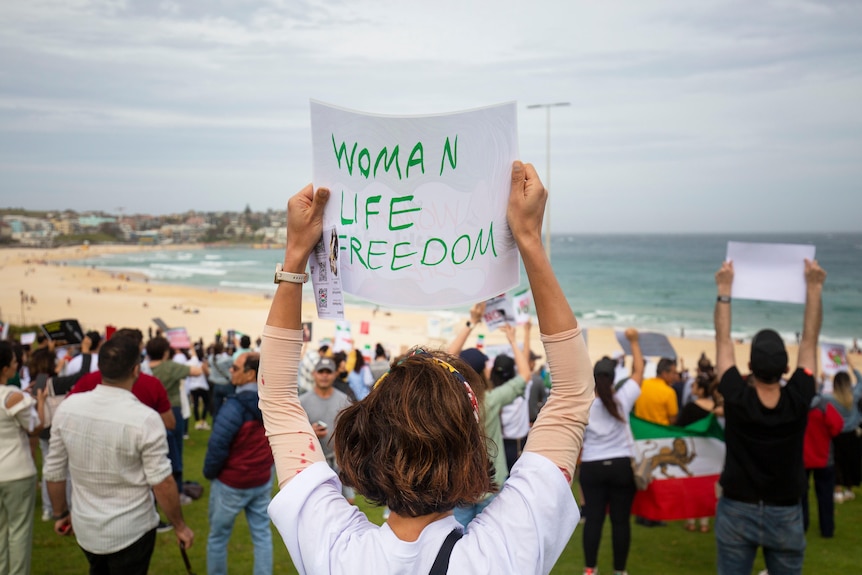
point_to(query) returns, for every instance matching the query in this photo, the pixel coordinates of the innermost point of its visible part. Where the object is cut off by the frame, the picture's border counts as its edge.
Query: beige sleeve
(294, 444)
(559, 431)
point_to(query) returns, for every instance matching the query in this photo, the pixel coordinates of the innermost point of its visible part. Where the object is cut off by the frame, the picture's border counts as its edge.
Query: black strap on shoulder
(441, 563)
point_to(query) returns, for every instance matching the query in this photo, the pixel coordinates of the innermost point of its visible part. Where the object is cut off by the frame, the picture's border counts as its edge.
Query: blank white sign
(770, 272)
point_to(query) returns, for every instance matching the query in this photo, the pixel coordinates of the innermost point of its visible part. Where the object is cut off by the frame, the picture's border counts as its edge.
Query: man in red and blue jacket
(239, 464)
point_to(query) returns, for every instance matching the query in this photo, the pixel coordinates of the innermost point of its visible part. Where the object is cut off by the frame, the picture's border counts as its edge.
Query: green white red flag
(682, 464)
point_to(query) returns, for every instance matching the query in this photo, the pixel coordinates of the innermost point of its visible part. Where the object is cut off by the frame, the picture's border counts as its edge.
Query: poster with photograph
(325, 270)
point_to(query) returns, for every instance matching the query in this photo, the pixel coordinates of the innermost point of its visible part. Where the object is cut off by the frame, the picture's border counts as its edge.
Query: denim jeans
(225, 504)
(175, 447)
(740, 528)
(465, 515)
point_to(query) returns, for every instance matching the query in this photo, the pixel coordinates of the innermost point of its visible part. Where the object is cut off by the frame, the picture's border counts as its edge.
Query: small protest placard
(161, 324)
(833, 358)
(178, 337)
(523, 304)
(343, 340)
(28, 338)
(652, 344)
(418, 203)
(306, 331)
(499, 311)
(66, 330)
(769, 272)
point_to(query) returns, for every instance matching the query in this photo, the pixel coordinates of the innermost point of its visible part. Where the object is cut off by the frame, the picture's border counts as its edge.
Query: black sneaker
(163, 527)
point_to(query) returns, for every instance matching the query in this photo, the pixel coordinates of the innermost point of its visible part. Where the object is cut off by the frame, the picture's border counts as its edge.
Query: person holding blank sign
(416, 442)
(764, 479)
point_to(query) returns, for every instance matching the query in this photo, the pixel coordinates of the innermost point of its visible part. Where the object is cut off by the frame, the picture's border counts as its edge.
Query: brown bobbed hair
(413, 443)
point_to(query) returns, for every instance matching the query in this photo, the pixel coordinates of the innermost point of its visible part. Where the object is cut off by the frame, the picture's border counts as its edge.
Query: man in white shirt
(116, 452)
(74, 364)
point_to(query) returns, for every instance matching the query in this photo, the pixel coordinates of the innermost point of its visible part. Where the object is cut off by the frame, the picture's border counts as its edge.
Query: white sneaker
(849, 495)
(185, 499)
(839, 497)
(46, 515)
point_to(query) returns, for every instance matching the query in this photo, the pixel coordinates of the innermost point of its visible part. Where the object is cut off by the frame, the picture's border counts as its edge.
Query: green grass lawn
(667, 550)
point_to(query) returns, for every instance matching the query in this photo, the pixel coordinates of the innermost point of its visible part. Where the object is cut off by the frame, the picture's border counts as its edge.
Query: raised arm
(294, 444)
(522, 364)
(814, 278)
(724, 351)
(475, 317)
(559, 430)
(637, 355)
(525, 212)
(304, 228)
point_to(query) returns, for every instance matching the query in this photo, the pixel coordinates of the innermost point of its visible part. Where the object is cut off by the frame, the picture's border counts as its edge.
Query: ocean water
(659, 283)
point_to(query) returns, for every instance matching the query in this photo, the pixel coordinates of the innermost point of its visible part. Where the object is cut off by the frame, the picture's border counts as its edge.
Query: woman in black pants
(606, 472)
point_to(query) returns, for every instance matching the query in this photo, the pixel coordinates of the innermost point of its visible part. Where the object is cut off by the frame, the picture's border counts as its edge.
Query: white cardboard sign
(769, 272)
(419, 203)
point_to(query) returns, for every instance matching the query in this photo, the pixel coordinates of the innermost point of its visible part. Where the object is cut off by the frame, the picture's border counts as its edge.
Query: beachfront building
(271, 235)
(29, 231)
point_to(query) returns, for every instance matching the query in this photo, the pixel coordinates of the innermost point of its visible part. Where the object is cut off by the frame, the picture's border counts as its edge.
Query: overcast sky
(685, 116)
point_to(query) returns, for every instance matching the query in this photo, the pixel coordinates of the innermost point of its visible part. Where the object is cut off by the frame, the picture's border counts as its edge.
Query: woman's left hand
(305, 220)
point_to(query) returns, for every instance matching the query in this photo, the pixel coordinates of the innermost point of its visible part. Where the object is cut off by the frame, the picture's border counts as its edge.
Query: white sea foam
(264, 287)
(187, 271)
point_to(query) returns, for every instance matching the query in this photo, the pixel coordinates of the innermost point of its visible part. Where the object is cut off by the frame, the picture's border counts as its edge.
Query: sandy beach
(98, 299)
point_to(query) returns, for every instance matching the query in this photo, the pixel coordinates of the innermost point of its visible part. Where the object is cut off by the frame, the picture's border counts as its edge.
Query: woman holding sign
(416, 442)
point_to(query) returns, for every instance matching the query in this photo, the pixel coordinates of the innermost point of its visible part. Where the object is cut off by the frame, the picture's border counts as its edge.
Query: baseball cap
(325, 363)
(605, 366)
(768, 356)
(504, 366)
(475, 359)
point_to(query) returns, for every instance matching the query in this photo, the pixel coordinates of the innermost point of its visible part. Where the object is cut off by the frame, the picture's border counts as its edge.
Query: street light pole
(547, 108)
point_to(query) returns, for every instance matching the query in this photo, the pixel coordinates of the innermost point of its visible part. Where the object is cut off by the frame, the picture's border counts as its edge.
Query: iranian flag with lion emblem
(681, 465)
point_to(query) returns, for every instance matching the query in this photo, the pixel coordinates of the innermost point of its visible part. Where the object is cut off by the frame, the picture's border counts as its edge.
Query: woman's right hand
(527, 200)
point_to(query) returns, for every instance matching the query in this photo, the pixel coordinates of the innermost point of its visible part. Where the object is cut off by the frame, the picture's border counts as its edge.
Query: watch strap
(291, 277)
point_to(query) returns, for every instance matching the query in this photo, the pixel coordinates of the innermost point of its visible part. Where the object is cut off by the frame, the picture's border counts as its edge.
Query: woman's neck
(410, 528)
(706, 403)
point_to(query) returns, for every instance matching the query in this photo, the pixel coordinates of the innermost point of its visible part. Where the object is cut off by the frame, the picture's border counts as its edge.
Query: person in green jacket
(509, 382)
